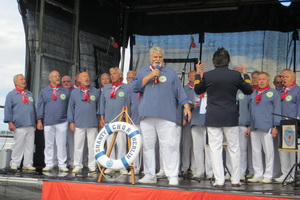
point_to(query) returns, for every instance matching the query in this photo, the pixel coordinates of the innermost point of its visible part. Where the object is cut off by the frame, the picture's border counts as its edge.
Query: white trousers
(56, 134)
(261, 140)
(169, 143)
(137, 161)
(23, 146)
(243, 139)
(187, 152)
(215, 138)
(80, 135)
(201, 151)
(120, 147)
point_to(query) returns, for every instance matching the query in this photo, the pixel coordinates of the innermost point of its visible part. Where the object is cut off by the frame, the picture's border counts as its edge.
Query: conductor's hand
(200, 68)
(243, 69)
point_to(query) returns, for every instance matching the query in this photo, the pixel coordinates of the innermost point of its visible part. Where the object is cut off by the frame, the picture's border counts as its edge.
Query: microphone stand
(184, 68)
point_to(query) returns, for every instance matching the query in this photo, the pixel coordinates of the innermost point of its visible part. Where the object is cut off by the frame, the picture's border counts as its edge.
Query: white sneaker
(209, 176)
(198, 176)
(109, 171)
(242, 177)
(173, 181)
(280, 179)
(227, 177)
(13, 167)
(249, 175)
(266, 180)
(161, 173)
(29, 168)
(63, 169)
(76, 170)
(146, 180)
(255, 179)
(47, 169)
(124, 171)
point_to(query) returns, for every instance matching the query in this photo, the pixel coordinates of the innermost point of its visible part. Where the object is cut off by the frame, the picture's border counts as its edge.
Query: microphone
(156, 80)
(193, 44)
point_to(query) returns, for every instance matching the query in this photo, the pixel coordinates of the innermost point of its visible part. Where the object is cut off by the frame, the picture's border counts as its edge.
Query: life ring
(136, 142)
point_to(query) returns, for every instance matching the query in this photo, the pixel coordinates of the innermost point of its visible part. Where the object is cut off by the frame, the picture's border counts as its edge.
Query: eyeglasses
(66, 81)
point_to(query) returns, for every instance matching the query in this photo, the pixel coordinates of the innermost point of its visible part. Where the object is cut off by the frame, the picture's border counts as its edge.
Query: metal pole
(124, 39)
(39, 45)
(75, 55)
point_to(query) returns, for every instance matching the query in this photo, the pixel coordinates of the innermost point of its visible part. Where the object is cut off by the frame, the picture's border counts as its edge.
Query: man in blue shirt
(290, 107)
(161, 92)
(114, 97)
(52, 113)
(263, 102)
(19, 113)
(83, 119)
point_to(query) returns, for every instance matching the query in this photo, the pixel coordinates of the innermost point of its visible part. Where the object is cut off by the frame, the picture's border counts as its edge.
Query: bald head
(191, 76)
(54, 78)
(288, 77)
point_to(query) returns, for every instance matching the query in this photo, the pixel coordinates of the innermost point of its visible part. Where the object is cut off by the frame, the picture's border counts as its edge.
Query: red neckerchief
(259, 93)
(86, 93)
(286, 90)
(25, 100)
(152, 68)
(114, 89)
(54, 93)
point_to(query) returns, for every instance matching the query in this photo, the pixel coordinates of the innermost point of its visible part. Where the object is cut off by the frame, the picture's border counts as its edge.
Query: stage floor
(201, 185)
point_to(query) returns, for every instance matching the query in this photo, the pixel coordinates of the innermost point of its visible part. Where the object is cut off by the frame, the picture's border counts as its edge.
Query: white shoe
(266, 180)
(255, 179)
(280, 179)
(13, 167)
(76, 170)
(109, 171)
(242, 177)
(145, 179)
(249, 175)
(198, 176)
(47, 169)
(227, 177)
(161, 174)
(29, 168)
(124, 171)
(63, 169)
(209, 176)
(173, 181)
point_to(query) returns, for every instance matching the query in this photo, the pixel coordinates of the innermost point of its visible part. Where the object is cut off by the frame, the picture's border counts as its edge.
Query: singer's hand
(274, 132)
(155, 72)
(248, 131)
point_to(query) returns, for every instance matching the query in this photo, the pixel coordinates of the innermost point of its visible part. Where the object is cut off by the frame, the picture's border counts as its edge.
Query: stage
(57, 185)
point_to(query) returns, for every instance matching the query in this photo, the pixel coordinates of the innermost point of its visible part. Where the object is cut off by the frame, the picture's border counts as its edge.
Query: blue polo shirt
(53, 111)
(197, 119)
(261, 113)
(110, 107)
(160, 100)
(134, 108)
(243, 107)
(290, 106)
(84, 113)
(22, 115)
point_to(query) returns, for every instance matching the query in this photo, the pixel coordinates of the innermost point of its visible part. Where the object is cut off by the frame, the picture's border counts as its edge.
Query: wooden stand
(123, 117)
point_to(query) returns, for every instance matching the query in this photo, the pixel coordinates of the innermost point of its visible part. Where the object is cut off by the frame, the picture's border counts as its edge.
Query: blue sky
(12, 49)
